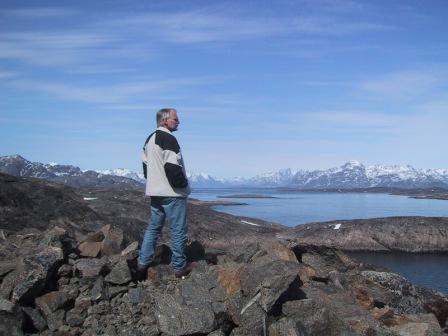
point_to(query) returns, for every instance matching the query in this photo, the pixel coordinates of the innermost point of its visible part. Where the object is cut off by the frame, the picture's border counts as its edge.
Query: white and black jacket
(163, 166)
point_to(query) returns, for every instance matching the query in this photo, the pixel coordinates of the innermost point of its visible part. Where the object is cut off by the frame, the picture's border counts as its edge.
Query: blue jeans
(174, 209)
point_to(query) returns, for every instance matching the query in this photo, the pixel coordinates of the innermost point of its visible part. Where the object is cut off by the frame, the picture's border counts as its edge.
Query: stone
(53, 301)
(6, 306)
(113, 239)
(421, 325)
(159, 274)
(95, 237)
(32, 274)
(113, 291)
(6, 267)
(131, 251)
(218, 332)
(74, 318)
(98, 290)
(54, 237)
(175, 317)
(120, 274)
(36, 319)
(286, 326)
(89, 249)
(90, 268)
(65, 270)
(11, 322)
(136, 295)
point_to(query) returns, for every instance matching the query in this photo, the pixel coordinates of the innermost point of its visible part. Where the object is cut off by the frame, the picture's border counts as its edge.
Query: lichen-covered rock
(35, 317)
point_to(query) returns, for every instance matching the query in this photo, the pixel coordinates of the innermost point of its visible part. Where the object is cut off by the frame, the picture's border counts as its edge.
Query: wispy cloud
(404, 84)
(36, 13)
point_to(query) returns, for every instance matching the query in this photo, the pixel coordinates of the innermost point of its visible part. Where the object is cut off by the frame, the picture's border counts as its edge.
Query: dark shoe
(141, 273)
(185, 271)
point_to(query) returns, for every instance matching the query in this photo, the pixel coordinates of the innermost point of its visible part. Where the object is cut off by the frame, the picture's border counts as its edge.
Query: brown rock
(113, 239)
(89, 249)
(364, 298)
(229, 278)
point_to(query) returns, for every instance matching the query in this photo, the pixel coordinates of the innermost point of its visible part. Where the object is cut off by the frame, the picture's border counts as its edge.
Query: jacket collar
(161, 128)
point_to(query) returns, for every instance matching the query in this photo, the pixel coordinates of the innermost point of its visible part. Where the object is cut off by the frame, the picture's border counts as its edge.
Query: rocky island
(67, 267)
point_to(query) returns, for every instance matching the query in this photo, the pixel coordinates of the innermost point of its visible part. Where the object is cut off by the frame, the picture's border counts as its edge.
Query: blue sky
(259, 85)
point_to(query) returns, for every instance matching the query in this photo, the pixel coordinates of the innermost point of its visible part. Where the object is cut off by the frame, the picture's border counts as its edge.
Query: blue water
(294, 208)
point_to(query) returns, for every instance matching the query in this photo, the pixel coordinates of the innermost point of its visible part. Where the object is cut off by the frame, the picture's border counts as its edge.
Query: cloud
(403, 84)
(108, 94)
(36, 13)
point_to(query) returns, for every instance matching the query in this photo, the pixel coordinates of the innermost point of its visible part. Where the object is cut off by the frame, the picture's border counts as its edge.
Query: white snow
(90, 198)
(337, 226)
(250, 223)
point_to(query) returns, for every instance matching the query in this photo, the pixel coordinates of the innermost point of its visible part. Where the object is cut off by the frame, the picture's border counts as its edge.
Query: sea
(293, 208)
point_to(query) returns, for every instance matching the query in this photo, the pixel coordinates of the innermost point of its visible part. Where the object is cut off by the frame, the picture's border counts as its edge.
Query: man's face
(172, 122)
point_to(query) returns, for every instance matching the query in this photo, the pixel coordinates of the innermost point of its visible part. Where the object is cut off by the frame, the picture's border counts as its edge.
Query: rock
(113, 239)
(176, 317)
(11, 320)
(402, 295)
(65, 271)
(6, 267)
(120, 274)
(228, 277)
(35, 318)
(159, 274)
(131, 251)
(286, 326)
(53, 301)
(54, 237)
(89, 249)
(113, 291)
(218, 332)
(98, 290)
(95, 237)
(74, 318)
(90, 268)
(6, 306)
(421, 325)
(32, 274)
(195, 251)
(136, 295)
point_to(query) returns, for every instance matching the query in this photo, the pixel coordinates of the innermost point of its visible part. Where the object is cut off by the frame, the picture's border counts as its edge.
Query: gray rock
(113, 291)
(98, 290)
(11, 323)
(32, 273)
(136, 295)
(90, 268)
(403, 295)
(6, 267)
(120, 274)
(53, 301)
(89, 249)
(131, 251)
(177, 317)
(6, 306)
(74, 317)
(287, 326)
(35, 317)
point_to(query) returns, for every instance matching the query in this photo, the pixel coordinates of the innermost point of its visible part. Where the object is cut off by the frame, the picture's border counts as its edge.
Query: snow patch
(337, 226)
(250, 223)
(90, 198)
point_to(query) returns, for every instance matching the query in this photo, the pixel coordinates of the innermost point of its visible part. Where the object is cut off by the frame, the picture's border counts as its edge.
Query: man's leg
(176, 211)
(152, 233)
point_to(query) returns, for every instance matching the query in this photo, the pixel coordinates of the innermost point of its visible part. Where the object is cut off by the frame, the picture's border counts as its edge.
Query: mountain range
(351, 175)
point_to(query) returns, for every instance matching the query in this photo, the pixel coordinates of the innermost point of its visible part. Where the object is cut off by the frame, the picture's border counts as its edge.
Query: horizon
(259, 86)
(259, 174)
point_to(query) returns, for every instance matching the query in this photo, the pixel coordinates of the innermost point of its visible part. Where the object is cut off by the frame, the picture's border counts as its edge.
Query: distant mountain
(70, 175)
(351, 175)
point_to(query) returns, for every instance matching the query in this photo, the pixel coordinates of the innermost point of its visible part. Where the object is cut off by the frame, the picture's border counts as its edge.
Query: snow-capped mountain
(350, 175)
(122, 172)
(18, 166)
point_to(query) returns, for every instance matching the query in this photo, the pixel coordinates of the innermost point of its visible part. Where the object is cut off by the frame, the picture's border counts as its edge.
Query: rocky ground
(67, 267)
(407, 234)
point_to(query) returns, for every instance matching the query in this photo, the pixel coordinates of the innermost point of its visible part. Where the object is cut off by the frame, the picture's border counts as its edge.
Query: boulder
(120, 274)
(35, 318)
(89, 249)
(32, 274)
(131, 251)
(90, 268)
(113, 239)
(11, 319)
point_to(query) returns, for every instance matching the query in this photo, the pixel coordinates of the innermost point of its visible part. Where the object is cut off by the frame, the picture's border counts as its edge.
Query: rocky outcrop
(262, 288)
(407, 234)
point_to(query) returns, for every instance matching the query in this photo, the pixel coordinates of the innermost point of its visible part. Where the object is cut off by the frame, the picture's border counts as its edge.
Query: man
(167, 185)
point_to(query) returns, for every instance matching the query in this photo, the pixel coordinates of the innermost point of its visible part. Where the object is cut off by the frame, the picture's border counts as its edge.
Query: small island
(245, 196)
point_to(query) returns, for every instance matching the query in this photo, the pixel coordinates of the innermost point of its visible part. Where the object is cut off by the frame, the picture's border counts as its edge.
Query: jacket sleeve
(174, 170)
